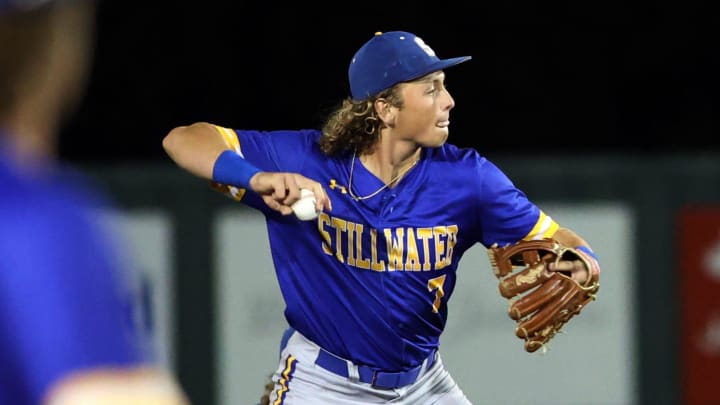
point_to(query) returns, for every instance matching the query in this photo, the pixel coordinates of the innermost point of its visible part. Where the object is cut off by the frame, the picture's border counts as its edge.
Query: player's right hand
(280, 190)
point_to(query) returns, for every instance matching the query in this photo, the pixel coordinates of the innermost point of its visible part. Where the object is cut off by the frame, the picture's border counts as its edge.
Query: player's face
(425, 115)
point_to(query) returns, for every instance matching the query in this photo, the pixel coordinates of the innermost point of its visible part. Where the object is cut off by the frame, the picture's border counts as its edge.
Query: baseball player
(67, 331)
(367, 283)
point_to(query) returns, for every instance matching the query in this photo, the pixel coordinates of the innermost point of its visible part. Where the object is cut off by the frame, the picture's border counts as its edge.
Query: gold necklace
(386, 185)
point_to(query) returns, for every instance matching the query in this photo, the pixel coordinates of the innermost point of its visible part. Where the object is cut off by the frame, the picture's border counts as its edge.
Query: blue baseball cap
(390, 58)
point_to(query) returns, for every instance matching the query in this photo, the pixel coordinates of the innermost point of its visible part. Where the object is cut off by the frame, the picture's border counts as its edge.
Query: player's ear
(385, 111)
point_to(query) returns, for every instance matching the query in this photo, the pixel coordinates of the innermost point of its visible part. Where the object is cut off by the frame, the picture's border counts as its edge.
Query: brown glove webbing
(541, 301)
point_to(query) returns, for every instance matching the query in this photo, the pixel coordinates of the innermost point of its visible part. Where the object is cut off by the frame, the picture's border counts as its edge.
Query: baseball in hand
(304, 208)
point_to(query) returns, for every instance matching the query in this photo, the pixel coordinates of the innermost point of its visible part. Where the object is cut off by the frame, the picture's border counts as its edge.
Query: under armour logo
(334, 185)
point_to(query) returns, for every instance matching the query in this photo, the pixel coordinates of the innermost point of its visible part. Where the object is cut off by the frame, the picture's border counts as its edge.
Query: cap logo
(424, 46)
(391, 58)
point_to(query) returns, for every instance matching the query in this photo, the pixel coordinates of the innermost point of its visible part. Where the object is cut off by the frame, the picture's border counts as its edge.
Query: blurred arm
(138, 386)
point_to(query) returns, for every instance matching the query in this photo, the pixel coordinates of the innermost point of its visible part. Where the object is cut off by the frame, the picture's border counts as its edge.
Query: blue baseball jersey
(64, 304)
(371, 280)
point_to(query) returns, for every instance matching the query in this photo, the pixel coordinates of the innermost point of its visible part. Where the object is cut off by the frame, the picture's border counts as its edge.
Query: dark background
(567, 77)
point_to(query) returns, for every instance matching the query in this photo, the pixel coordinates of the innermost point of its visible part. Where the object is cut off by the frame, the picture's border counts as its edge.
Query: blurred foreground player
(68, 334)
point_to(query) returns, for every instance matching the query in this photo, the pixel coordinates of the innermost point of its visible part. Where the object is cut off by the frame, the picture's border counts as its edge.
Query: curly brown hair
(355, 125)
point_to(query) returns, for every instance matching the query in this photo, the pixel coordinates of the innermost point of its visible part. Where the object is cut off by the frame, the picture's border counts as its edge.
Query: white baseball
(304, 208)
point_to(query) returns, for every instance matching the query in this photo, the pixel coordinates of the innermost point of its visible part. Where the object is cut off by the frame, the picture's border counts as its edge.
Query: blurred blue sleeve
(65, 305)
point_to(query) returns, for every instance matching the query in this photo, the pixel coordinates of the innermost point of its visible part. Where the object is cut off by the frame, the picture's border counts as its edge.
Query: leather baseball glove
(541, 301)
